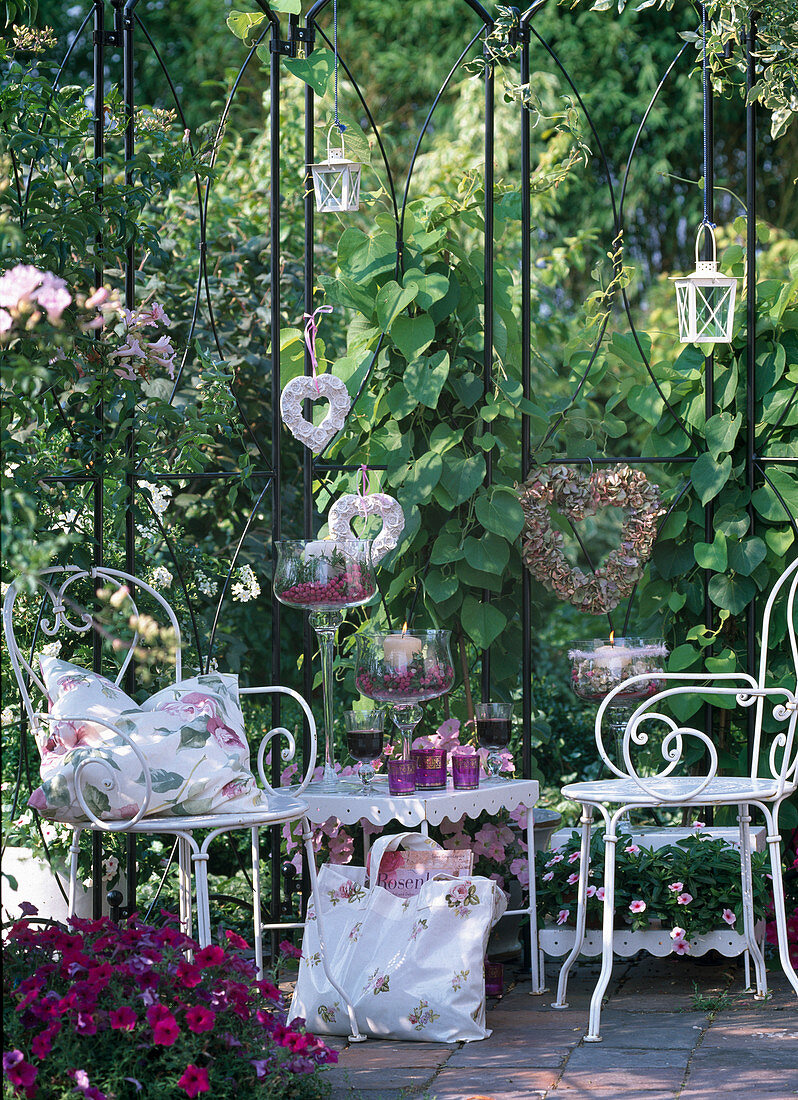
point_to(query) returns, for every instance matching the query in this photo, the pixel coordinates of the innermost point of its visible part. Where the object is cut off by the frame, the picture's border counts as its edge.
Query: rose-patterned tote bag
(413, 968)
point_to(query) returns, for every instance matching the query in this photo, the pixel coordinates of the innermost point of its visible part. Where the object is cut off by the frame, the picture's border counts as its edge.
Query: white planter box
(37, 883)
(559, 941)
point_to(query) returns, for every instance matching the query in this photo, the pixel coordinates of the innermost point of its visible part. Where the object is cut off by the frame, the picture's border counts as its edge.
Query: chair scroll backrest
(774, 751)
(61, 610)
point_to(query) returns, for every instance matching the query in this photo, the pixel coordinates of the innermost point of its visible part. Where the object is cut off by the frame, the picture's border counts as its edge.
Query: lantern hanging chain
(338, 122)
(706, 91)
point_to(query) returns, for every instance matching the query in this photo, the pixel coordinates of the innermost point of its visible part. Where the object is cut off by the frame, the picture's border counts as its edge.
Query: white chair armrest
(110, 783)
(287, 754)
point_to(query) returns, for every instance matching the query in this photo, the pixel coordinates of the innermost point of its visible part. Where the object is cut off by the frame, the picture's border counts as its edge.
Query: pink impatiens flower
(632, 849)
(563, 916)
(681, 946)
(572, 879)
(548, 876)
(600, 893)
(676, 887)
(637, 906)
(684, 899)
(729, 916)
(573, 857)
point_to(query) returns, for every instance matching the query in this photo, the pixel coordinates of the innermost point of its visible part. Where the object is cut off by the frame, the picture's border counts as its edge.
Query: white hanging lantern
(705, 299)
(336, 180)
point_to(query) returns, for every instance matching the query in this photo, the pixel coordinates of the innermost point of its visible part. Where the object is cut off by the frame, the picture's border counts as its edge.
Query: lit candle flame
(612, 637)
(404, 628)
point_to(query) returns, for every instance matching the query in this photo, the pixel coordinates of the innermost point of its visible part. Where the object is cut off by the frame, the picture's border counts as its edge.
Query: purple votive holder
(465, 771)
(494, 979)
(430, 768)
(401, 776)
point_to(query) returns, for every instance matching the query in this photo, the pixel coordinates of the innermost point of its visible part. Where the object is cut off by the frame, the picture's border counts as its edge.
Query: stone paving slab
(672, 1030)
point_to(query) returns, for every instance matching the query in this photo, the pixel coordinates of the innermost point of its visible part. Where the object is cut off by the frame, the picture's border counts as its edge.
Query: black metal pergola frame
(125, 33)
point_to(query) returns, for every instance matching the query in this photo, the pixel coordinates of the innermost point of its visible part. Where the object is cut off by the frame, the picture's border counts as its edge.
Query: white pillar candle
(613, 657)
(399, 650)
(320, 551)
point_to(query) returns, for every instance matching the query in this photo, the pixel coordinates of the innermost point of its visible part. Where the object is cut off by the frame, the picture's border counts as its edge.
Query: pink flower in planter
(122, 1019)
(698, 824)
(573, 857)
(677, 933)
(520, 868)
(676, 887)
(548, 876)
(681, 946)
(553, 860)
(684, 899)
(632, 849)
(194, 1080)
(591, 890)
(600, 893)
(729, 916)
(563, 916)
(572, 879)
(637, 906)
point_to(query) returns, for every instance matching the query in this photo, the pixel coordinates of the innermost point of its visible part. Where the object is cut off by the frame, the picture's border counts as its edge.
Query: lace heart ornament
(326, 387)
(351, 505)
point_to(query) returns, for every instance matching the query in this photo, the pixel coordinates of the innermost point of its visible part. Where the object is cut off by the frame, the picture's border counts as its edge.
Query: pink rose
(221, 733)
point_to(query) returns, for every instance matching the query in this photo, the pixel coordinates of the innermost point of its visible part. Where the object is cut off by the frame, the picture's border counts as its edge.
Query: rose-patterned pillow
(191, 734)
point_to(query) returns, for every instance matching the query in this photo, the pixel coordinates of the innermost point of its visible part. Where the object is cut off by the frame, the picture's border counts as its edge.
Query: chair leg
(184, 885)
(538, 985)
(257, 916)
(774, 845)
(753, 952)
(608, 930)
(200, 859)
(307, 838)
(74, 852)
(586, 820)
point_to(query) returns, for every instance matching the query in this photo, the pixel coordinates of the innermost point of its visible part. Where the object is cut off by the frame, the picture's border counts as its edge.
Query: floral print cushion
(191, 734)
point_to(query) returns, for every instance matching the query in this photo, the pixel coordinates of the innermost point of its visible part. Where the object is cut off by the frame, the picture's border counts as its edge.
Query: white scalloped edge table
(425, 808)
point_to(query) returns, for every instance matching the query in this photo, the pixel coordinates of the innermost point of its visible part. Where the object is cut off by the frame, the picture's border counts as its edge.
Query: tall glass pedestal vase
(325, 577)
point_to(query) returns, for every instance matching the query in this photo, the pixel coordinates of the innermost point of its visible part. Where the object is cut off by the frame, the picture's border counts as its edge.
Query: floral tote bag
(412, 968)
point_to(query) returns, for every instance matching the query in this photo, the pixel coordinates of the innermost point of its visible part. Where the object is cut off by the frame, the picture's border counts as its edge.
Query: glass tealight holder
(430, 769)
(401, 776)
(364, 734)
(465, 771)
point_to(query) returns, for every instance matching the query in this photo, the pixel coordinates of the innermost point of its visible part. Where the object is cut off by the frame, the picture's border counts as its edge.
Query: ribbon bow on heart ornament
(577, 495)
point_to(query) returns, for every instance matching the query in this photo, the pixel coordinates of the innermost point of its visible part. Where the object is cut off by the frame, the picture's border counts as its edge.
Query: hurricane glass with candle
(404, 668)
(325, 577)
(598, 666)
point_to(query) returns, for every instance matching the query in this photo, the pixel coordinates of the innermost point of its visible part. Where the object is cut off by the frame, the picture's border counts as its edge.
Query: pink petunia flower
(209, 956)
(676, 887)
(164, 1026)
(122, 1019)
(563, 916)
(194, 1080)
(729, 916)
(200, 1019)
(638, 906)
(684, 899)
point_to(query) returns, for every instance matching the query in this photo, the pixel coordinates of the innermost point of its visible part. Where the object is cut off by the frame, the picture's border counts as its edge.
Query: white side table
(425, 808)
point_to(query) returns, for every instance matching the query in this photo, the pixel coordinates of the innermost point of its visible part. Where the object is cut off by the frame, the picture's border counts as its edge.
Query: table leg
(534, 948)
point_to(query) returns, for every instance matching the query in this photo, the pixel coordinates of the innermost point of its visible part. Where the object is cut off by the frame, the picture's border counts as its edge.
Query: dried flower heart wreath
(576, 496)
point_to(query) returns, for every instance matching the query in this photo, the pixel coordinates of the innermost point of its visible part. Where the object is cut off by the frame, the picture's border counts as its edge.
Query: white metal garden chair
(772, 779)
(61, 610)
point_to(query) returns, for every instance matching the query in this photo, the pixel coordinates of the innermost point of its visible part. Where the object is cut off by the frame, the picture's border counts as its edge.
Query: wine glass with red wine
(494, 723)
(364, 733)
